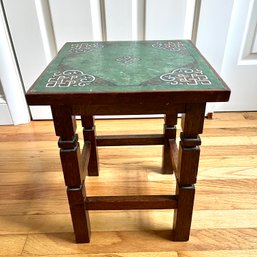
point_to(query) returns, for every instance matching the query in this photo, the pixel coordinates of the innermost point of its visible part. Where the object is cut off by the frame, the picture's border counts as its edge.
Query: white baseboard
(5, 116)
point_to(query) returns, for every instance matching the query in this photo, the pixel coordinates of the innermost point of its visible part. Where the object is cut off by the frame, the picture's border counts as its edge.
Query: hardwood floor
(34, 214)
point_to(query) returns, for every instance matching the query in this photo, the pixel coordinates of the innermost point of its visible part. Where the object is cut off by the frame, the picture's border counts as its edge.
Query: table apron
(127, 109)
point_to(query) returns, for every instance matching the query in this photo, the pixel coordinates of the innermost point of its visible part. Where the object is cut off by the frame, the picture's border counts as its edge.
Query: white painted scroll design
(169, 45)
(70, 78)
(85, 47)
(185, 76)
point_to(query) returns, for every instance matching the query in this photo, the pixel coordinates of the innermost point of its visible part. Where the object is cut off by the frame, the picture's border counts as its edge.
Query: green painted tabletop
(130, 66)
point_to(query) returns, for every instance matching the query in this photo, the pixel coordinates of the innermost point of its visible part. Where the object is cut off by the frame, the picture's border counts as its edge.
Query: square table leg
(74, 173)
(169, 131)
(89, 135)
(187, 167)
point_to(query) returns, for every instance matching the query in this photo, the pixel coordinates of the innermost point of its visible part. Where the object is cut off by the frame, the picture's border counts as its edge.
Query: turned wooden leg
(186, 173)
(74, 173)
(169, 131)
(89, 135)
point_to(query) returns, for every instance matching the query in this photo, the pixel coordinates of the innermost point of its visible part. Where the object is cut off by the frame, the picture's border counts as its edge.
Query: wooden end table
(120, 78)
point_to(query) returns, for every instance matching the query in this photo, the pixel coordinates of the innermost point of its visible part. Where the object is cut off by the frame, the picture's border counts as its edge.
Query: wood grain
(226, 253)
(12, 244)
(147, 241)
(34, 212)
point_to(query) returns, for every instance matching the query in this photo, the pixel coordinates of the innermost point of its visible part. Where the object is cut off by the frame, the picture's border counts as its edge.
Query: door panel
(13, 106)
(212, 32)
(240, 63)
(27, 38)
(119, 15)
(169, 19)
(72, 21)
(34, 47)
(254, 50)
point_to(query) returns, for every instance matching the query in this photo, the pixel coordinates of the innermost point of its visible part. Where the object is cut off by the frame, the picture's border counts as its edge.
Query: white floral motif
(70, 78)
(84, 47)
(169, 45)
(185, 76)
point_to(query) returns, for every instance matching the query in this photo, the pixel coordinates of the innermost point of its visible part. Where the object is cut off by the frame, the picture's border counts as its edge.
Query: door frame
(10, 77)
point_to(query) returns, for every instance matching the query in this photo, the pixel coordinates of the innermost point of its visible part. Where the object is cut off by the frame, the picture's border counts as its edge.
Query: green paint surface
(126, 67)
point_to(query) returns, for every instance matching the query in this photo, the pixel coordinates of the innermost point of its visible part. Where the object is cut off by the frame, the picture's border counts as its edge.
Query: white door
(227, 36)
(239, 66)
(40, 27)
(13, 106)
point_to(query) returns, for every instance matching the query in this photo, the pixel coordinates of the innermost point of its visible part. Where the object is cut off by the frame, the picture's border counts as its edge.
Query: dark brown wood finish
(188, 159)
(65, 127)
(71, 166)
(187, 164)
(142, 98)
(174, 154)
(155, 139)
(131, 202)
(183, 214)
(183, 160)
(193, 119)
(85, 157)
(89, 135)
(130, 108)
(169, 131)
(80, 216)
(62, 114)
